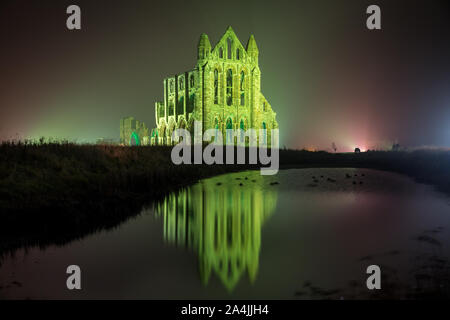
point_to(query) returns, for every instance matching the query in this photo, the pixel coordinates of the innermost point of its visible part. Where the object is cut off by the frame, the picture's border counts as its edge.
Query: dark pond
(304, 233)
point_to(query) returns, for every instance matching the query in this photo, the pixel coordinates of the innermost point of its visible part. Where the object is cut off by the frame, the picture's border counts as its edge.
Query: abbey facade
(222, 92)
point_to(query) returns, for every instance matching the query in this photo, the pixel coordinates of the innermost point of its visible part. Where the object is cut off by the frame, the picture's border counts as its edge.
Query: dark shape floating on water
(428, 239)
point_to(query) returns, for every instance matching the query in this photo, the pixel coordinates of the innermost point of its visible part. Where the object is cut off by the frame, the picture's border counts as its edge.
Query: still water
(304, 233)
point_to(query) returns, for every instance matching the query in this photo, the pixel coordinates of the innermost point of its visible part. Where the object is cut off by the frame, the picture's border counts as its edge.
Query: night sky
(326, 75)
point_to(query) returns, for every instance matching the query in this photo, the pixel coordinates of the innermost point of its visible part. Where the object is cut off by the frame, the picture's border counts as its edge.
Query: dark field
(64, 189)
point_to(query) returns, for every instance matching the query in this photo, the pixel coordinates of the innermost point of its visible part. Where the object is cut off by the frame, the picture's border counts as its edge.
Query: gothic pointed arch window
(229, 48)
(180, 105)
(229, 128)
(191, 104)
(242, 87)
(238, 54)
(221, 53)
(216, 86)
(160, 110)
(192, 81)
(229, 87)
(242, 130)
(182, 83)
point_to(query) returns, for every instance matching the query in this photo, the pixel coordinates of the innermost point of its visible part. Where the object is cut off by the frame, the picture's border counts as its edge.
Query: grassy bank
(56, 192)
(66, 175)
(61, 175)
(66, 189)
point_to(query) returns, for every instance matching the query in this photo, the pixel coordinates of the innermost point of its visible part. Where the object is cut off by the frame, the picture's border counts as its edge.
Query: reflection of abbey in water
(222, 224)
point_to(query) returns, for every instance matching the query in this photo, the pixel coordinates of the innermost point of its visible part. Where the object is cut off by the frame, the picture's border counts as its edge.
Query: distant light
(361, 149)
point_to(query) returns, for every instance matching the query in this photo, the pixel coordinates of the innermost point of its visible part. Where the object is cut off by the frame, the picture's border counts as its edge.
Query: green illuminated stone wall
(133, 132)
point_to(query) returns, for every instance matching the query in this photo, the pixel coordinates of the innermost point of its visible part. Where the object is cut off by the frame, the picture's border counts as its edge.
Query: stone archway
(134, 139)
(228, 127)
(182, 125)
(154, 137)
(242, 129)
(170, 130)
(162, 135)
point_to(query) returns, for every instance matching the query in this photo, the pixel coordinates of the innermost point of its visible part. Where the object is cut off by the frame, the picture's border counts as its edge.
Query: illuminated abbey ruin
(133, 132)
(222, 92)
(221, 224)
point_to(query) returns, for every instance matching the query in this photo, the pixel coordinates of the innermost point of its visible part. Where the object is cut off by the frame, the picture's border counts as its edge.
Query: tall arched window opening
(181, 83)
(242, 87)
(229, 87)
(229, 48)
(216, 86)
(229, 132)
